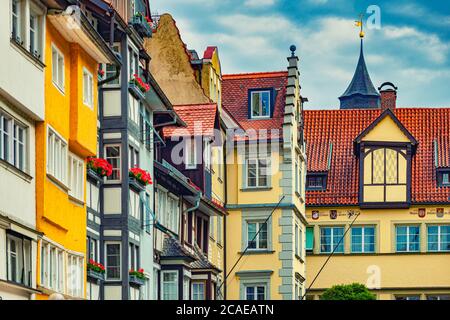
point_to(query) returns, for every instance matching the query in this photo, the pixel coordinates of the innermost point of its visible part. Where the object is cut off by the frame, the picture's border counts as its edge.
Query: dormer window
(443, 177)
(261, 103)
(316, 181)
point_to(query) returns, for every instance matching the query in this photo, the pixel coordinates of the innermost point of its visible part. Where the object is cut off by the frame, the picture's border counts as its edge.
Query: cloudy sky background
(411, 49)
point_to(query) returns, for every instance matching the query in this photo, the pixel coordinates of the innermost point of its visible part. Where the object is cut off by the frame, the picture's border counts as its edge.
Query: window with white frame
(257, 170)
(135, 205)
(331, 238)
(133, 110)
(76, 177)
(207, 154)
(173, 213)
(75, 275)
(113, 156)
(260, 104)
(438, 238)
(16, 19)
(133, 157)
(19, 259)
(255, 292)
(198, 291)
(297, 244)
(363, 239)
(407, 238)
(35, 32)
(56, 155)
(133, 257)
(219, 229)
(52, 267)
(113, 257)
(88, 88)
(297, 177)
(257, 235)
(190, 153)
(169, 285)
(133, 62)
(92, 249)
(92, 196)
(57, 68)
(186, 291)
(13, 141)
(211, 227)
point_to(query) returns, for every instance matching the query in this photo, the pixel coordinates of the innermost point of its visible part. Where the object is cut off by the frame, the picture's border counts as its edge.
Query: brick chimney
(388, 94)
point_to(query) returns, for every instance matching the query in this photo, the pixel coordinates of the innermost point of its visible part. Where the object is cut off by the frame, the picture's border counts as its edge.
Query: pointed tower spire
(361, 93)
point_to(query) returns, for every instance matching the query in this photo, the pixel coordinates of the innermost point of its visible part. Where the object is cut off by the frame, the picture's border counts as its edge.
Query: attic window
(443, 178)
(260, 103)
(316, 181)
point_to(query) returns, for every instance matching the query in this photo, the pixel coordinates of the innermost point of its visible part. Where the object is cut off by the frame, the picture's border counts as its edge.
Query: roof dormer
(261, 103)
(385, 149)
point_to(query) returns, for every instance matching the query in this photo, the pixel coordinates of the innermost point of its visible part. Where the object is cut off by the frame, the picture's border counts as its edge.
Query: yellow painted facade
(386, 271)
(61, 217)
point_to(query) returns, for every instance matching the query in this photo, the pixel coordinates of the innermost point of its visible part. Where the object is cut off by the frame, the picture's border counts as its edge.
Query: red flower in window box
(144, 87)
(95, 266)
(101, 72)
(102, 167)
(140, 175)
(138, 274)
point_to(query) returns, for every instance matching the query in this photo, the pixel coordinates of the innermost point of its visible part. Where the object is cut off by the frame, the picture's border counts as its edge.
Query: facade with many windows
(377, 196)
(66, 137)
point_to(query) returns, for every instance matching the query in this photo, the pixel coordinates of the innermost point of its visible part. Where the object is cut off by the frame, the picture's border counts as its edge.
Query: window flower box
(99, 167)
(139, 177)
(137, 277)
(95, 270)
(100, 74)
(142, 24)
(138, 87)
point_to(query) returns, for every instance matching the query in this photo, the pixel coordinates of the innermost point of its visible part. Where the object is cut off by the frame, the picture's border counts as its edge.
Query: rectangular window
(133, 110)
(363, 239)
(76, 177)
(329, 239)
(113, 156)
(445, 178)
(207, 154)
(411, 297)
(438, 238)
(300, 242)
(260, 104)
(135, 205)
(296, 235)
(309, 239)
(92, 246)
(169, 286)
(257, 172)
(13, 142)
(75, 275)
(219, 229)
(113, 256)
(110, 69)
(198, 291)
(316, 182)
(438, 297)
(88, 88)
(255, 292)
(15, 20)
(133, 157)
(52, 267)
(172, 213)
(56, 156)
(211, 227)
(133, 257)
(19, 260)
(297, 180)
(191, 153)
(92, 196)
(407, 238)
(35, 33)
(57, 68)
(254, 240)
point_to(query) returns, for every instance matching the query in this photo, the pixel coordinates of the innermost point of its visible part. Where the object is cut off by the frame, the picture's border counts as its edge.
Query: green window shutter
(309, 238)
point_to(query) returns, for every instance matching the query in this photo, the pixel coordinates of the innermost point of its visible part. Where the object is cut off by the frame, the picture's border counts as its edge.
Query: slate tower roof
(360, 94)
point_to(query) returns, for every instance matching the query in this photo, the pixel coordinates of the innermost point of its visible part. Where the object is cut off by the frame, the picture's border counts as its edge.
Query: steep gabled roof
(341, 127)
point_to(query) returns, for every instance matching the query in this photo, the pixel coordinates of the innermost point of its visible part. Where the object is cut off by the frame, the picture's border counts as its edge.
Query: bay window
(169, 285)
(88, 88)
(75, 275)
(52, 267)
(19, 259)
(56, 156)
(76, 177)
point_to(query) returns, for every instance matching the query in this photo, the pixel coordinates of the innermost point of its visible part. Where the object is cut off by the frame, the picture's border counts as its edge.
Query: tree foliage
(354, 291)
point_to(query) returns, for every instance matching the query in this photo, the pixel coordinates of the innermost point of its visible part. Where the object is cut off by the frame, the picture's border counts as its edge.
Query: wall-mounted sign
(333, 214)
(315, 215)
(422, 212)
(440, 212)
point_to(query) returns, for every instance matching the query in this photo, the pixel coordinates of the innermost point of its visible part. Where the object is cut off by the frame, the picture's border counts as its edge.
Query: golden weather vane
(359, 23)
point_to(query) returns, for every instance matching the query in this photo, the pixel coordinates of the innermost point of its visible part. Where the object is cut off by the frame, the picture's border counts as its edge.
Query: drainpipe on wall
(224, 155)
(196, 205)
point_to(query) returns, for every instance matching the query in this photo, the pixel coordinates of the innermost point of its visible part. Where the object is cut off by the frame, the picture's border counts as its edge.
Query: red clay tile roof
(200, 119)
(341, 127)
(235, 99)
(209, 52)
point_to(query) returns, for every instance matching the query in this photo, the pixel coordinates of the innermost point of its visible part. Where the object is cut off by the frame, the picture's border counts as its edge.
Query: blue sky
(410, 49)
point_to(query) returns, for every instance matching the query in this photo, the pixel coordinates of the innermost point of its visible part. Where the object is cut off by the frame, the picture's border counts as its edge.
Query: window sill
(21, 49)
(57, 182)
(13, 169)
(253, 251)
(76, 201)
(250, 189)
(19, 286)
(61, 90)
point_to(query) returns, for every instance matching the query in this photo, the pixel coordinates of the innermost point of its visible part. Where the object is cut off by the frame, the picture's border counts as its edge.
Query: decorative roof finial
(292, 48)
(359, 23)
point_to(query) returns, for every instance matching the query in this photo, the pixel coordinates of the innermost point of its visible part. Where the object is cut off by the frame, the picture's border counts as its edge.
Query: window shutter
(309, 238)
